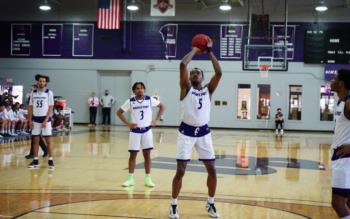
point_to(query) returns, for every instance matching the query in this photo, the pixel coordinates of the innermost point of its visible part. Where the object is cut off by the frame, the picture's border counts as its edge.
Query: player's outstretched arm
(347, 109)
(185, 83)
(214, 81)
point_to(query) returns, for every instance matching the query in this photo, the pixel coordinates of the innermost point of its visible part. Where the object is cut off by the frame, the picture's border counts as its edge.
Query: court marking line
(98, 215)
(163, 198)
(247, 198)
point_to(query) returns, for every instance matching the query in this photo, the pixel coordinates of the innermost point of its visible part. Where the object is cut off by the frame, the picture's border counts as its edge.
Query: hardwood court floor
(259, 176)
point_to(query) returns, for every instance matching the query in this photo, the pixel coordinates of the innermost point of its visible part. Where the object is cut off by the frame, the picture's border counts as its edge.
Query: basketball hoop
(264, 70)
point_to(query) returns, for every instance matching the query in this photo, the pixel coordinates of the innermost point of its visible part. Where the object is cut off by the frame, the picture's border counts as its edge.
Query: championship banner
(20, 39)
(278, 37)
(169, 35)
(83, 40)
(52, 39)
(231, 37)
(162, 7)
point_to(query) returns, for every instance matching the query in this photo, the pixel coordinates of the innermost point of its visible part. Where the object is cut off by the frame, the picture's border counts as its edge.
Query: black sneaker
(29, 156)
(34, 164)
(51, 165)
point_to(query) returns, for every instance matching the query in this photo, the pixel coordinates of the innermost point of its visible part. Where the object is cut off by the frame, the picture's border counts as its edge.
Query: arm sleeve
(154, 102)
(126, 106)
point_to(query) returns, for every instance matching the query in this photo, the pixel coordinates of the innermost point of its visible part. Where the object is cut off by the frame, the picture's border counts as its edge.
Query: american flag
(108, 16)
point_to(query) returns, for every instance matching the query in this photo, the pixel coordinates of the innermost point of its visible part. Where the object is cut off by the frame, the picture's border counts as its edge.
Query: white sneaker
(174, 214)
(212, 210)
(282, 132)
(276, 132)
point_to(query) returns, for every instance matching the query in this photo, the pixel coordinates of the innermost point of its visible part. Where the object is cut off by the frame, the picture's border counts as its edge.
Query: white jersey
(141, 110)
(342, 131)
(9, 115)
(41, 101)
(195, 107)
(22, 113)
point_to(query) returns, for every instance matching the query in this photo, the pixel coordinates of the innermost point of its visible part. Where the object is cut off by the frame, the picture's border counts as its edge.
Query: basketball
(200, 41)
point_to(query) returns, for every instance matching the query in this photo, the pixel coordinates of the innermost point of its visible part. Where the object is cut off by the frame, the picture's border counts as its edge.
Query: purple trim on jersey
(141, 130)
(46, 91)
(194, 131)
(342, 192)
(133, 150)
(40, 119)
(336, 157)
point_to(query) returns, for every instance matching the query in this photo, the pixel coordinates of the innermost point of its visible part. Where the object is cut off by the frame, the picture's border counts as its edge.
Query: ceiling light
(225, 7)
(321, 8)
(45, 6)
(132, 6)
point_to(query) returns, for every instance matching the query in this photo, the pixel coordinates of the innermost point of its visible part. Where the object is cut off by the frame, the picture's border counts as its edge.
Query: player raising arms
(194, 131)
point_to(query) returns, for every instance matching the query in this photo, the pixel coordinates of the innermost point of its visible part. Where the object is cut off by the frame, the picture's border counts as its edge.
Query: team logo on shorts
(196, 131)
(163, 5)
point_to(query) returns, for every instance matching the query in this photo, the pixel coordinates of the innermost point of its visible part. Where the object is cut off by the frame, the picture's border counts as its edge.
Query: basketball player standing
(195, 101)
(140, 136)
(341, 148)
(39, 118)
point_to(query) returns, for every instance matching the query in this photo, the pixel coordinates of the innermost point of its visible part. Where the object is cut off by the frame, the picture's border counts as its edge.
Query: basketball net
(264, 71)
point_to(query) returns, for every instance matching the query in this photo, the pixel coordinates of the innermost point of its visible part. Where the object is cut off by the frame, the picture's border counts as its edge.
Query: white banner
(162, 7)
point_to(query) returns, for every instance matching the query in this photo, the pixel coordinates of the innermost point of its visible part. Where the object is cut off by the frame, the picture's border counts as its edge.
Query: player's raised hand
(210, 43)
(198, 51)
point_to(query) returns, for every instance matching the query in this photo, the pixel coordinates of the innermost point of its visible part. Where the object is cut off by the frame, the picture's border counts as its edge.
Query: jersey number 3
(141, 115)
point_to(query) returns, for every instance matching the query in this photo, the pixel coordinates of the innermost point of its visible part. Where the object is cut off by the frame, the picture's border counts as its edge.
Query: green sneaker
(148, 182)
(129, 182)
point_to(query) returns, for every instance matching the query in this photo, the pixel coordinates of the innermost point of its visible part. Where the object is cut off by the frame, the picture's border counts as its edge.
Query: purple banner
(330, 70)
(278, 36)
(231, 41)
(169, 36)
(51, 39)
(83, 40)
(20, 39)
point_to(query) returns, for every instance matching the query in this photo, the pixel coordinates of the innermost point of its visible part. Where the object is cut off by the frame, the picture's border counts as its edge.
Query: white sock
(173, 201)
(211, 200)
(36, 158)
(50, 158)
(346, 217)
(131, 174)
(148, 175)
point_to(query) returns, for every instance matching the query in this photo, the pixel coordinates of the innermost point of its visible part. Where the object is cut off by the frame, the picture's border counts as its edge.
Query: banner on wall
(330, 70)
(83, 40)
(278, 36)
(231, 36)
(169, 35)
(162, 7)
(51, 39)
(20, 39)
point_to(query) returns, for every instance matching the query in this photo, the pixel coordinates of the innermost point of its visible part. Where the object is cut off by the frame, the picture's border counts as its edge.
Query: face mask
(106, 93)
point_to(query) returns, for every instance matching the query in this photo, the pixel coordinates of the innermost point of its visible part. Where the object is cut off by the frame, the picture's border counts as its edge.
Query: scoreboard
(330, 46)
(337, 47)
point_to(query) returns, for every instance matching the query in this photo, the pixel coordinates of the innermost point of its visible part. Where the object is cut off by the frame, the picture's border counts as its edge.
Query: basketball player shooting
(194, 130)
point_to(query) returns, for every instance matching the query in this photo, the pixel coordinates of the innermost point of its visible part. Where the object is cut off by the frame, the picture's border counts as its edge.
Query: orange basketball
(200, 41)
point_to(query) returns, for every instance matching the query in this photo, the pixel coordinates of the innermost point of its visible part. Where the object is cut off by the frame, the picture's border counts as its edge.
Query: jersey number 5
(200, 103)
